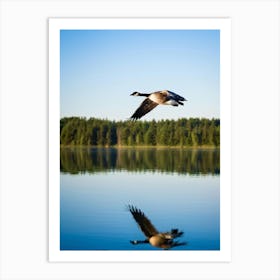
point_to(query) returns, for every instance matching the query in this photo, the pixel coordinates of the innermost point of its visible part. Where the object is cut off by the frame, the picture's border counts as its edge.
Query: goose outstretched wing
(146, 106)
(144, 223)
(176, 96)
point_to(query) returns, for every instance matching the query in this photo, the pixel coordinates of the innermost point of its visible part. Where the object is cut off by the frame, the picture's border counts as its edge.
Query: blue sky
(101, 68)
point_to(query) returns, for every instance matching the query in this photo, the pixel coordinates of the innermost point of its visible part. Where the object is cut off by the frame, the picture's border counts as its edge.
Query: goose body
(164, 240)
(164, 97)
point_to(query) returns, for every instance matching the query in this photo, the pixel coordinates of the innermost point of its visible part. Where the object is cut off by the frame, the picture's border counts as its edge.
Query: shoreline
(206, 147)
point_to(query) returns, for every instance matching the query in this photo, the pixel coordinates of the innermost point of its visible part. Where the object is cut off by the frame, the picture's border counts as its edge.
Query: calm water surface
(175, 188)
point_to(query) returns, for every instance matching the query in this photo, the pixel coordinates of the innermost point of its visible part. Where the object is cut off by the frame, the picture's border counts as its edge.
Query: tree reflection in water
(167, 160)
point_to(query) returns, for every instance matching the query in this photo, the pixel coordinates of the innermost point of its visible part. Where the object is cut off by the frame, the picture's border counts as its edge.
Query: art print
(139, 139)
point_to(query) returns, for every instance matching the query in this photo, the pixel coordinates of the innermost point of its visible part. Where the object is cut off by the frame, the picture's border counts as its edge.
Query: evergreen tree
(98, 132)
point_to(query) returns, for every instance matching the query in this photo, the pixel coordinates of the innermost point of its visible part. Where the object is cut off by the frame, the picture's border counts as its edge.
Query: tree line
(183, 132)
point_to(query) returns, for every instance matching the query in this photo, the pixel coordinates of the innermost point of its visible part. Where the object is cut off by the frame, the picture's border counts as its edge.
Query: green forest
(192, 132)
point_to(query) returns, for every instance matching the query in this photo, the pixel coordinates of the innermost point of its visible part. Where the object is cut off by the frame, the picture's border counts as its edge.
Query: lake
(175, 188)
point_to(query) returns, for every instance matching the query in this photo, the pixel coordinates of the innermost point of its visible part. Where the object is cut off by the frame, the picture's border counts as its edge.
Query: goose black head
(135, 93)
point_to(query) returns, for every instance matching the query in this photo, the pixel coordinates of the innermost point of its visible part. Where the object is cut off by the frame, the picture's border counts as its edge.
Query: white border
(222, 24)
(255, 164)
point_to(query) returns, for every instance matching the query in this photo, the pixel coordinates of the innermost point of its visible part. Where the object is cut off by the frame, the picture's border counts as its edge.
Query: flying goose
(164, 97)
(164, 240)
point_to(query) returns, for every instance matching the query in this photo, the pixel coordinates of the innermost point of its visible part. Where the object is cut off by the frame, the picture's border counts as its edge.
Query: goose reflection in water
(164, 240)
